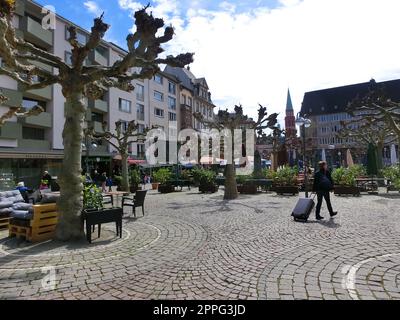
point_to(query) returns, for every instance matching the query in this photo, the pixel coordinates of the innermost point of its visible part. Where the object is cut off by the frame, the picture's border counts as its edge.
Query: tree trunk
(379, 157)
(125, 172)
(231, 192)
(70, 205)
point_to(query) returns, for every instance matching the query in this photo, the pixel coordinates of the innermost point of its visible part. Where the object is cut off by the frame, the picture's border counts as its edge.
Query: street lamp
(304, 123)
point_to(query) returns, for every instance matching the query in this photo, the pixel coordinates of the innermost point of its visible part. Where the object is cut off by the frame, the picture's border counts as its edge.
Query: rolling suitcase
(303, 209)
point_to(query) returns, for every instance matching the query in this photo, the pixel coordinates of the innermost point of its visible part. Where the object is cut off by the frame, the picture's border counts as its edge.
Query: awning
(136, 162)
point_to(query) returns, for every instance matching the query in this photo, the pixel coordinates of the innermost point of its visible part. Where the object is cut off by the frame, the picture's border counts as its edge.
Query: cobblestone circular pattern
(193, 246)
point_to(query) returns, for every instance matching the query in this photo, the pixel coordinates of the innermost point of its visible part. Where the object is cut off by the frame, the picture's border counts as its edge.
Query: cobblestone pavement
(193, 246)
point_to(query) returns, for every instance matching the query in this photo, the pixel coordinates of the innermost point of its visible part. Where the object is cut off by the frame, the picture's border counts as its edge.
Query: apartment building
(29, 146)
(195, 96)
(327, 109)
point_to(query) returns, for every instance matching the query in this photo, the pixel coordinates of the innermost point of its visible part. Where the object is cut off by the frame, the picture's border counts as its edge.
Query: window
(171, 103)
(183, 99)
(98, 117)
(141, 150)
(197, 107)
(140, 92)
(124, 125)
(125, 105)
(158, 96)
(80, 36)
(140, 112)
(68, 58)
(158, 79)
(141, 128)
(172, 116)
(171, 87)
(190, 101)
(32, 133)
(159, 113)
(28, 104)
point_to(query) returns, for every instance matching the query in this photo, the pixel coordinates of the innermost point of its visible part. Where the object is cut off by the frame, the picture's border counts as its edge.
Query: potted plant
(135, 180)
(162, 176)
(92, 197)
(94, 212)
(205, 179)
(345, 182)
(246, 185)
(392, 174)
(286, 181)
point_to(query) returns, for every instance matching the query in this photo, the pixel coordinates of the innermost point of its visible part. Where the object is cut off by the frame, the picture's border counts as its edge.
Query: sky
(251, 52)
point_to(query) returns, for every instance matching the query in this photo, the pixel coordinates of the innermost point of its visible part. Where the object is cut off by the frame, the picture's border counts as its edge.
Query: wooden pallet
(4, 223)
(19, 232)
(42, 226)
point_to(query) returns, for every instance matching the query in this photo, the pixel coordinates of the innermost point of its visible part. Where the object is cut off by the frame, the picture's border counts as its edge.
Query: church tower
(290, 120)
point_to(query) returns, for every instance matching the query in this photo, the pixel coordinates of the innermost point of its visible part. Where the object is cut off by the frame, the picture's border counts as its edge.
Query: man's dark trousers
(321, 196)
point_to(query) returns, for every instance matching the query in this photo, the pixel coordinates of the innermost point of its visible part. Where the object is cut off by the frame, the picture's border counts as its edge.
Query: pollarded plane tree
(364, 131)
(78, 82)
(124, 135)
(226, 120)
(18, 112)
(378, 109)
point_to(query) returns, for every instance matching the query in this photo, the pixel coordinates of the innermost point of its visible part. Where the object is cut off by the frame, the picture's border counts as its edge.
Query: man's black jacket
(318, 177)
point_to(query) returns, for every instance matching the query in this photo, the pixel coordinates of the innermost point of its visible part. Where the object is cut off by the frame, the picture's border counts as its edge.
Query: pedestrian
(46, 181)
(323, 185)
(109, 183)
(102, 182)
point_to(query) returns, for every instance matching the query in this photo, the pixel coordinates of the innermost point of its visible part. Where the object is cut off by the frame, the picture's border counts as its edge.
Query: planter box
(154, 186)
(166, 188)
(103, 216)
(281, 190)
(247, 189)
(392, 188)
(347, 190)
(208, 188)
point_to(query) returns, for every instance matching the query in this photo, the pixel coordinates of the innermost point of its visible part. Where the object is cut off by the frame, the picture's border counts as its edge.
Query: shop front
(29, 167)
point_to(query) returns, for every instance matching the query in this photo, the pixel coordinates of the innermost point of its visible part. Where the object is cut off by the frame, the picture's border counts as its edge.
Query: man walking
(323, 185)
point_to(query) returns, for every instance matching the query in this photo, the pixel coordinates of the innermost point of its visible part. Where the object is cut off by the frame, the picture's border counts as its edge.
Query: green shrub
(135, 177)
(162, 176)
(203, 176)
(118, 180)
(393, 174)
(269, 174)
(92, 197)
(358, 170)
(345, 176)
(286, 176)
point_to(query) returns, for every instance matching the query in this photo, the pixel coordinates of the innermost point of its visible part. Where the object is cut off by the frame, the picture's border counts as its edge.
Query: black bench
(99, 217)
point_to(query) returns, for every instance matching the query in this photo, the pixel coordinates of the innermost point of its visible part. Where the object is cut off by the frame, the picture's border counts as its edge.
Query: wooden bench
(41, 227)
(4, 223)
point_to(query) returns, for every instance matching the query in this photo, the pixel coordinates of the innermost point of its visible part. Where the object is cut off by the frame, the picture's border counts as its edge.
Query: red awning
(136, 162)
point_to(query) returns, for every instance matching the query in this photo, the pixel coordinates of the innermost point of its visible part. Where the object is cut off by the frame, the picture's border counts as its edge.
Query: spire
(289, 104)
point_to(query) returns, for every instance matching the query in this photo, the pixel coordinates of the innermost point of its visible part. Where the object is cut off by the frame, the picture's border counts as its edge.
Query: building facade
(29, 146)
(195, 97)
(327, 110)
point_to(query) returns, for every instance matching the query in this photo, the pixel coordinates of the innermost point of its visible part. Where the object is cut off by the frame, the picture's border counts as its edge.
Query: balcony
(34, 144)
(20, 8)
(98, 105)
(42, 66)
(14, 97)
(40, 94)
(11, 130)
(44, 119)
(35, 33)
(97, 58)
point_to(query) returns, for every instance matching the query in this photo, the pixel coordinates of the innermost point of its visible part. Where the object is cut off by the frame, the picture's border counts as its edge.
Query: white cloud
(253, 57)
(93, 7)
